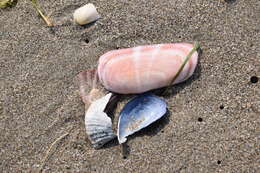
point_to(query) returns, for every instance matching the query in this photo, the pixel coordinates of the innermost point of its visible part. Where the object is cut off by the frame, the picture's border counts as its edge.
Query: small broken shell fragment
(97, 104)
(98, 124)
(139, 113)
(86, 14)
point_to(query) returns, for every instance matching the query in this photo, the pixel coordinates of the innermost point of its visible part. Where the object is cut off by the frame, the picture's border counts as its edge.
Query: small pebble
(86, 14)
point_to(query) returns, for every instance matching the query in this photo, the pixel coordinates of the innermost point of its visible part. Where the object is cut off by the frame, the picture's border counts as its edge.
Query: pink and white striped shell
(143, 68)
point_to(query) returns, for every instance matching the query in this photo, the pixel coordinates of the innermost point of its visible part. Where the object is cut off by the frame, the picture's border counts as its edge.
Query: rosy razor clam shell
(143, 68)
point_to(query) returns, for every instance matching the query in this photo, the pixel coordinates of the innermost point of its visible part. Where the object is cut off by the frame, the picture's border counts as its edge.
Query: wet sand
(213, 117)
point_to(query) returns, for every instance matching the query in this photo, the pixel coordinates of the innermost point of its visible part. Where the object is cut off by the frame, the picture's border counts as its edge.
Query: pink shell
(143, 68)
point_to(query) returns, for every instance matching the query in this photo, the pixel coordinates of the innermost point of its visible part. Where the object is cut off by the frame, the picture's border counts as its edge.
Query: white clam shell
(98, 124)
(86, 14)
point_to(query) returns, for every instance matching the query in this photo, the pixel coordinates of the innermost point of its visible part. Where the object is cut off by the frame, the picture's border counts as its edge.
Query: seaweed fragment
(8, 3)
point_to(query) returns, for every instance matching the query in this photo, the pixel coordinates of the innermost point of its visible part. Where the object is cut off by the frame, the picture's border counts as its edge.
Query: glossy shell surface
(143, 68)
(140, 112)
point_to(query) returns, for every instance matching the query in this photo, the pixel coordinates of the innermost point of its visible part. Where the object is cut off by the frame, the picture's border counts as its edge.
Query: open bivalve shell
(140, 112)
(98, 124)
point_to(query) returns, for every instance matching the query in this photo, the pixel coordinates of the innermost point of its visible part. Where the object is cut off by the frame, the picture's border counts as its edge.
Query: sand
(213, 119)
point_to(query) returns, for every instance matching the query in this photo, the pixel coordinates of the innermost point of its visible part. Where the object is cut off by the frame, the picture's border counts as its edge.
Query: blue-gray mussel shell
(139, 113)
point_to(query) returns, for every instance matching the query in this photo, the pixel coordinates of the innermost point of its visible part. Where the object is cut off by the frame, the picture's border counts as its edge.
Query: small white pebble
(86, 14)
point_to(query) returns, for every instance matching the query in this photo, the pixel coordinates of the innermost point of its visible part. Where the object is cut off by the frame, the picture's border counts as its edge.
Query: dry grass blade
(49, 150)
(196, 46)
(45, 18)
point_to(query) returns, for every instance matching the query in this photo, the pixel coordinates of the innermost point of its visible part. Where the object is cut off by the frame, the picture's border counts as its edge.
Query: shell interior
(139, 113)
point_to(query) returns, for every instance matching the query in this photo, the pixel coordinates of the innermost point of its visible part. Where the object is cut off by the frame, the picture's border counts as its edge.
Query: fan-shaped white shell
(98, 124)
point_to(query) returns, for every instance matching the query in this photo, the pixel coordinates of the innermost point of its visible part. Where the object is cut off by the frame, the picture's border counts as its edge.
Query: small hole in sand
(230, 1)
(221, 107)
(162, 131)
(219, 162)
(200, 119)
(254, 79)
(124, 157)
(86, 40)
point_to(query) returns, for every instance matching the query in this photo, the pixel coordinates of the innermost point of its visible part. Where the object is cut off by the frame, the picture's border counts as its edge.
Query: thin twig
(196, 46)
(45, 18)
(49, 150)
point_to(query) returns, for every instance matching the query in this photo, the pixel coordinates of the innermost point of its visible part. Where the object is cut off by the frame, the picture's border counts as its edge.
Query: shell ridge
(98, 124)
(155, 52)
(136, 56)
(99, 105)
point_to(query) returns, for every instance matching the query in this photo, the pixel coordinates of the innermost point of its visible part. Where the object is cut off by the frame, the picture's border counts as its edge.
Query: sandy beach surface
(213, 120)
